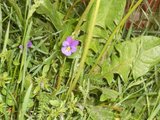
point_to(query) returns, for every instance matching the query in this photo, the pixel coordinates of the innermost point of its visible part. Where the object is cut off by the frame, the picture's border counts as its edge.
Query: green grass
(114, 74)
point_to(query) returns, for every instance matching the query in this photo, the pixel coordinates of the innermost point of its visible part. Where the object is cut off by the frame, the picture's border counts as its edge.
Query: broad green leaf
(137, 55)
(100, 113)
(116, 11)
(100, 32)
(104, 9)
(109, 15)
(110, 12)
(120, 64)
(94, 45)
(47, 8)
(147, 56)
(123, 64)
(108, 94)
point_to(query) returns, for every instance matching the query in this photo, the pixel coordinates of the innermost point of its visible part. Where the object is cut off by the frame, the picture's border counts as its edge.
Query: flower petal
(69, 39)
(73, 49)
(29, 44)
(65, 43)
(65, 51)
(75, 43)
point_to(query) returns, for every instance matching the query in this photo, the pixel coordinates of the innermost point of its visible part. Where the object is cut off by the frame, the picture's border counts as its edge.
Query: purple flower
(69, 46)
(29, 44)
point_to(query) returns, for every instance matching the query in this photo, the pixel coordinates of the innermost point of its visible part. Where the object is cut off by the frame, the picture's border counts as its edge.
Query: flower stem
(60, 75)
(91, 25)
(107, 45)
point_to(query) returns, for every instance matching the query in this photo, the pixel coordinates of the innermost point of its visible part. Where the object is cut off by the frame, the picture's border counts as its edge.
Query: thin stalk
(106, 46)
(78, 26)
(147, 98)
(6, 38)
(5, 46)
(15, 69)
(72, 71)
(60, 74)
(86, 45)
(70, 9)
(24, 55)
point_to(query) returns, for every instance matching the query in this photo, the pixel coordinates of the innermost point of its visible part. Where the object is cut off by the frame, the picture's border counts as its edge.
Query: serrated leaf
(120, 64)
(137, 55)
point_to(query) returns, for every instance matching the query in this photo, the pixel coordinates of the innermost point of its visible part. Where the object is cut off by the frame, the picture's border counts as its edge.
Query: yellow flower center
(68, 49)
